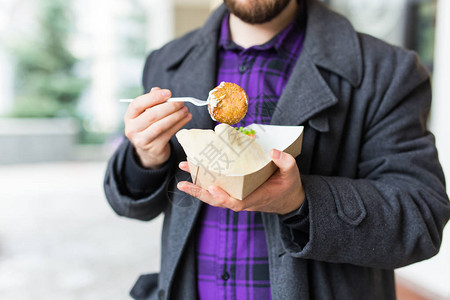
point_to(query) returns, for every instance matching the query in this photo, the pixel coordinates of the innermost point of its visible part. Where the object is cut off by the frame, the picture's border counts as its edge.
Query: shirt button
(225, 276)
(243, 68)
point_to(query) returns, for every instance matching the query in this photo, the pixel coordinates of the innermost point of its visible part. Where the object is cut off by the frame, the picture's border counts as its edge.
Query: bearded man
(367, 194)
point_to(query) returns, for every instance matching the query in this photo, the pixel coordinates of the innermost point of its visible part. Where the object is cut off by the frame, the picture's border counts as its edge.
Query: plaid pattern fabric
(232, 258)
(262, 71)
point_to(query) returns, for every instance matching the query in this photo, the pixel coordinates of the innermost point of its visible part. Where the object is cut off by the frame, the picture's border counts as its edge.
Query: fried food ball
(228, 103)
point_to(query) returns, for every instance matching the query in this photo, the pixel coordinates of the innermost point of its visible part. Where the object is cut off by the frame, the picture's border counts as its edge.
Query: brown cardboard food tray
(285, 138)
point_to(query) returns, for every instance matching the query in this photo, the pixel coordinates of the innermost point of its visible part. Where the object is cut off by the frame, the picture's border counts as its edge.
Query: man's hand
(282, 193)
(150, 122)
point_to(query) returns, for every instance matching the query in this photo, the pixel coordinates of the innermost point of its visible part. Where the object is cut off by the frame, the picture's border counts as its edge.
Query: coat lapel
(305, 95)
(195, 78)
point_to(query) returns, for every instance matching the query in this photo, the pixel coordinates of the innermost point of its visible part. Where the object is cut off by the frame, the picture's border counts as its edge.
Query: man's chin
(254, 11)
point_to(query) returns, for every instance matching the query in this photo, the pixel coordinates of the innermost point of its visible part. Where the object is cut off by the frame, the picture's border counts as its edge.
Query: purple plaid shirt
(232, 258)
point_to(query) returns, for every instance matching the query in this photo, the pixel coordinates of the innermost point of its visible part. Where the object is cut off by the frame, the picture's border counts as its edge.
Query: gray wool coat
(374, 186)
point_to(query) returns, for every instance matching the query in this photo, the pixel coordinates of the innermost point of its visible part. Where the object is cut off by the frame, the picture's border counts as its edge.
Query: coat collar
(330, 43)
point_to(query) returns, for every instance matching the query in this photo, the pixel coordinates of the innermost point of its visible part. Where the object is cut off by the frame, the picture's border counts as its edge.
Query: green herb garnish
(246, 131)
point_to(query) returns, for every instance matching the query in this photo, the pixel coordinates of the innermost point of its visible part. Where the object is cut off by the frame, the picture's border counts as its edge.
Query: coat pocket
(146, 287)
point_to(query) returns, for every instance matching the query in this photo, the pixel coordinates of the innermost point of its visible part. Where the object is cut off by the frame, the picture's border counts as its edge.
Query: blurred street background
(63, 66)
(59, 240)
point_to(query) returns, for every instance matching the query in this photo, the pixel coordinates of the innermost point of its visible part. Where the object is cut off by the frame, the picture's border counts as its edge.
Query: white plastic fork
(194, 101)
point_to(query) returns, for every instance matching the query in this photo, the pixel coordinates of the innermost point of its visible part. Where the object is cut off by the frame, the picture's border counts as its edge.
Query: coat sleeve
(394, 212)
(144, 198)
(131, 190)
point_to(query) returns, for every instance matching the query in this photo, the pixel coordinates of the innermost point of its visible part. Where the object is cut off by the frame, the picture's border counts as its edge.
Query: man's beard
(256, 11)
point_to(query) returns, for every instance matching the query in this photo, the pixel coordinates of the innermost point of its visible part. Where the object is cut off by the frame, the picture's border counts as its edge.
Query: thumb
(284, 161)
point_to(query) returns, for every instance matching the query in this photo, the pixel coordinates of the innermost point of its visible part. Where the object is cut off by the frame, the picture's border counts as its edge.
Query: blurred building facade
(101, 41)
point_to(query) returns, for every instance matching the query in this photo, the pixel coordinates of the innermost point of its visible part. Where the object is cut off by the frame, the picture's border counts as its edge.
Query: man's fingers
(170, 122)
(158, 112)
(184, 165)
(141, 103)
(150, 140)
(258, 197)
(225, 200)
(214, 196)
(284, 161)
(196, 191)
(167, 135)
